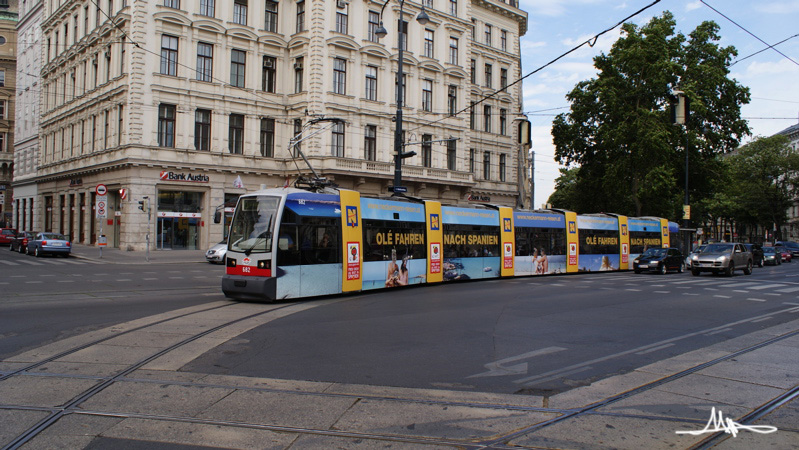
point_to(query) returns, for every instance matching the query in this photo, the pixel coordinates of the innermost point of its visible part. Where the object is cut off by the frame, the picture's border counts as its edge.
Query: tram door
(178, 233)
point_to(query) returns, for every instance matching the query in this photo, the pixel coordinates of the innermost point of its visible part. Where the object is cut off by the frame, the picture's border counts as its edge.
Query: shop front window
(179, 217)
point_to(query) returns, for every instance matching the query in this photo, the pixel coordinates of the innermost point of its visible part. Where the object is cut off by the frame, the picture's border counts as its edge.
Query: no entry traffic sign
(101, 189)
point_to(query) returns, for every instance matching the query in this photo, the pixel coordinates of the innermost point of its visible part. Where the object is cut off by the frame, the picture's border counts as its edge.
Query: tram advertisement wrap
(508, 238)
(435, 236)
(352, 234)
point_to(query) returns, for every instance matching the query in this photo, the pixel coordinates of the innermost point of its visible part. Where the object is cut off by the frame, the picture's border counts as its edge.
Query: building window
(374, 23)
(486, 165)
(473, 71)
(337, 146)
(404, 90)
(503, 40)
(503, 122)
(488, 34)
(473, 28)
(236, 134)
(503, 78)
(487, 118)
(502, 167)
(427, 150)
(427, 95)
(297, 135)
(427, 3)
(453, 51)
(402, 26)
(240, 12)
(298, 71)
(471, 160)
(205, 61)
(370, 143)
(453, 7)
(371, 83)
(268, 138)
(300, 17)
(452, 99)
(238, 65)
(452, 156)
(207, 8)
(488, 75)
(471, 116)
(340, 76)
(170, 4)
(341, 21)
(2, 142)
(269, 74)
(2, 109)
(428, 43)
(120, 125)
(202, 129)
(270, 21)
(169, 55)
(86, 20)
(166, 126)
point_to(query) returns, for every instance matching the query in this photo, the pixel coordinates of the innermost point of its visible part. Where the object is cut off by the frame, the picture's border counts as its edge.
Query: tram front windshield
(252, 225)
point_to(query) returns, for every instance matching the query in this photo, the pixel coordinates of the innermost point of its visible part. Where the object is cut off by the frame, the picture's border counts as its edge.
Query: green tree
(764, 178)
(619, 132)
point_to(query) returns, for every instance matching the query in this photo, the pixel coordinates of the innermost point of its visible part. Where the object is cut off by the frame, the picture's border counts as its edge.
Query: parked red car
(6, 235)
(787, 256)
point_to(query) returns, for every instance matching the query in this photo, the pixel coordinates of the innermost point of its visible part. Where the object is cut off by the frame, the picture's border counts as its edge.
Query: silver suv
(723, 257)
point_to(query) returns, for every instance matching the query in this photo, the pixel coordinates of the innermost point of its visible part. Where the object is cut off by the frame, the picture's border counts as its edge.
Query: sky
(557, 26)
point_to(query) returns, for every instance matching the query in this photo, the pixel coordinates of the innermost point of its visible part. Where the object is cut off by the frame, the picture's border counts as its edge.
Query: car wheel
(730, 269)
(37, 253)
(637, 270)
(22, 251)
(662, 269)
(748, 268)
(694, 272)
(760, 263)
(681, 269)
(10, 248)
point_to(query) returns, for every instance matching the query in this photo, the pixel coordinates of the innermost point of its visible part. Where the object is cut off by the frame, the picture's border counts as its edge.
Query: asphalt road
(525, 335)
(50, 298)
(528, 335)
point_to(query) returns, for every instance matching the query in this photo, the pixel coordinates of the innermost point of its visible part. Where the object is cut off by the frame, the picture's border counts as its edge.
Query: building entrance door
(178, 233)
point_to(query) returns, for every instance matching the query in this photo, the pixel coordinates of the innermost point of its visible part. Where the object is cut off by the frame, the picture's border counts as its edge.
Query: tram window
(551, 241)
(319, 241)
(599, 242)
(642, 240)
(469, 241)
(380, 237)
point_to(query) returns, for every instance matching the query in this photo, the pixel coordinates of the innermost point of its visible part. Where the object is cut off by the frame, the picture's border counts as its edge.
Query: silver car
(722, 257)
(216, 254)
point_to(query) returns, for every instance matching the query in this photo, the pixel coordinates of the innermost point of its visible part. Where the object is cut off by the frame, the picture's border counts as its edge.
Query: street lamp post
(399, 155)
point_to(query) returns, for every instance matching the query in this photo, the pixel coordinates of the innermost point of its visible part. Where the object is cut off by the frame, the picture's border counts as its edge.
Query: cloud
(693, 6)
(783, 66)
(777, 7)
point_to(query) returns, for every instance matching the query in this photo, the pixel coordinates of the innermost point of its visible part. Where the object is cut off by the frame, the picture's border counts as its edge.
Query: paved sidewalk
(119, 256)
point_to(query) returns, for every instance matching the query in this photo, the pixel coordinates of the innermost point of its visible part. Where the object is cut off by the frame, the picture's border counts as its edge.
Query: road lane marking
(788, 290)
(654, 349)
(498, 368)
(722, 296)
(723, 330)
(756, 299)
(762, 320)
(766, 286)
(662, 292)
(8, 263)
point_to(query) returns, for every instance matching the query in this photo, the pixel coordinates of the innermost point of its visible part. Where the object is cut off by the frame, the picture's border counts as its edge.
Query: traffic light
(142, 206)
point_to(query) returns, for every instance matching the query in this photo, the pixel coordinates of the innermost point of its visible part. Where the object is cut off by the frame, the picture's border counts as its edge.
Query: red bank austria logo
(174, 176)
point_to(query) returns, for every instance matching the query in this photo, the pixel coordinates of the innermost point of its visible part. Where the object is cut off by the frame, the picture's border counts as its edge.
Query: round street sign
(101, 189)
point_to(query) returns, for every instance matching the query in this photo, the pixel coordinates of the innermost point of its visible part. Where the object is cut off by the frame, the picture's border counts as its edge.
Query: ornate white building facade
(174, 100)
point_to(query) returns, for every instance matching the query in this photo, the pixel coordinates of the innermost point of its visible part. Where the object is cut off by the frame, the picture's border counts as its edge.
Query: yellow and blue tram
(292, 243)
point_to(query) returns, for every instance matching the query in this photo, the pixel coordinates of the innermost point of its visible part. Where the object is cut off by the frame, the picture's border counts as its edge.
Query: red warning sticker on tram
(353, 260)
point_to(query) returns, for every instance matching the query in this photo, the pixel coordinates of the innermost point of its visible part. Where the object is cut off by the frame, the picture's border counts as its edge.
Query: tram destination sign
(175, 176)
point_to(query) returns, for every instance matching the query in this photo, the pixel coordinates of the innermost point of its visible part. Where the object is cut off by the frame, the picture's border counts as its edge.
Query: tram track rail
(502, 441)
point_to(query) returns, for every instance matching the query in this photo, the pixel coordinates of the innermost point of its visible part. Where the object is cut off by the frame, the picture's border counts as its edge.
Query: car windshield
(769, 250)
(654, 252)
(719, 248)
(700, 249)
(791, 245)
(56, 236)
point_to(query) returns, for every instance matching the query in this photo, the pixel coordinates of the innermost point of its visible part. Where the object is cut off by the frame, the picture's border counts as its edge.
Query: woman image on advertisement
(393, 272)
(606, 264)
(542, 263)
(403, 272)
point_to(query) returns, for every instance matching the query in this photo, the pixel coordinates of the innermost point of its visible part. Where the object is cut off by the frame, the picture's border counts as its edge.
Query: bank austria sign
(174, 176)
